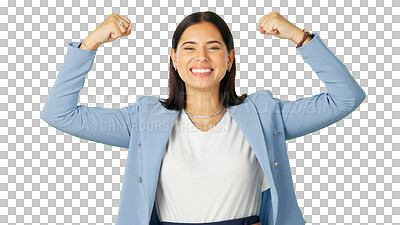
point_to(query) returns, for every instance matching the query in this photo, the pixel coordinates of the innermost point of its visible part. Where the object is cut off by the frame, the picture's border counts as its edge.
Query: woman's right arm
(103, 125)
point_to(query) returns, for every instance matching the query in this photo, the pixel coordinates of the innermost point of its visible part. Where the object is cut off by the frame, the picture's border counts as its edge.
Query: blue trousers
(241, 221)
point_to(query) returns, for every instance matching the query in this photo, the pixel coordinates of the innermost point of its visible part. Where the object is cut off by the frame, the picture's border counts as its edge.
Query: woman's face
(201, 46)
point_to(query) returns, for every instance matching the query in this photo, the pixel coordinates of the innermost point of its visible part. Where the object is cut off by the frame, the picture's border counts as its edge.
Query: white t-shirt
(208, 176)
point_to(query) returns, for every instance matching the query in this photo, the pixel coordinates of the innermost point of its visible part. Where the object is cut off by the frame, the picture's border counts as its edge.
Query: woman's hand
(278, 26)
(109, 31)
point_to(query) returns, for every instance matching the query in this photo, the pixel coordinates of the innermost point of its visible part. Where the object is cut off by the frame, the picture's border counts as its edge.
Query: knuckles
(273, 14)
(116, 18)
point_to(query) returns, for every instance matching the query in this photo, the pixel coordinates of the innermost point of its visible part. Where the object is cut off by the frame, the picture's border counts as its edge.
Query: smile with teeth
(201, 71)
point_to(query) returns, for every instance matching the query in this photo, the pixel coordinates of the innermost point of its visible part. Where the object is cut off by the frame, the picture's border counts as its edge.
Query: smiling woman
(202, 69)
(236, 174)
(202, 62)
(201, 84)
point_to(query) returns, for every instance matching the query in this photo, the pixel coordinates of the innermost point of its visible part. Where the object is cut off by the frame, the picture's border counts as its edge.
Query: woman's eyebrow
(209, 42)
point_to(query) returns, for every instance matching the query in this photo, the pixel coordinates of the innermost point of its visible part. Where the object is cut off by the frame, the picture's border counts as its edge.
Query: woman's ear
(231, 57)
(173, 57)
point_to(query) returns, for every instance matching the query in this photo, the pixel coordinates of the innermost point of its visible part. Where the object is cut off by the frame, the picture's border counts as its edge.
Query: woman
(204, 155)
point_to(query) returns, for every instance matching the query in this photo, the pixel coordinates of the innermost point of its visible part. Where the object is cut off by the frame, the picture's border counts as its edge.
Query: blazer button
(139, 179)
(275, 132)
(276, 164)
(138, 144)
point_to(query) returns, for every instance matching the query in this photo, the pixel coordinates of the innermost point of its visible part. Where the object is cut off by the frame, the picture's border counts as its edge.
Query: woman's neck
(203, 103)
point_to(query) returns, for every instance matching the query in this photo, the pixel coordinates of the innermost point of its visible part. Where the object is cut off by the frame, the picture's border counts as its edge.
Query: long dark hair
(177, 91)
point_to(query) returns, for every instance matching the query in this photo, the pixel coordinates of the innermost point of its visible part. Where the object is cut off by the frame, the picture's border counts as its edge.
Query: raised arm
(310, 114)
(307, 115)
(103, 125)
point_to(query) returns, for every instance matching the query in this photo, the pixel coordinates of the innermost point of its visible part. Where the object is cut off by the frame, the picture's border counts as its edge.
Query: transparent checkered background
(347, 173)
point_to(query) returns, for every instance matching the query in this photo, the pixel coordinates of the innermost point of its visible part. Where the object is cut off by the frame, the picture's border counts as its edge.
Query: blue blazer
(145, 126)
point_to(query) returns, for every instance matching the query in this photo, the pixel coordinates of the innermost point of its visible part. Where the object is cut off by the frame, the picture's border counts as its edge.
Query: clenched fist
(278, 26)
(108, 31)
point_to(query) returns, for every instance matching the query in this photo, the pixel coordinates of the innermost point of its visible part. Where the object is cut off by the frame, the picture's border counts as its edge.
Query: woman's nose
(202, 55)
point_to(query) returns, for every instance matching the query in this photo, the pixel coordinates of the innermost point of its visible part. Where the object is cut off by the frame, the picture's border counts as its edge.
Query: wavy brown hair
(177, 91)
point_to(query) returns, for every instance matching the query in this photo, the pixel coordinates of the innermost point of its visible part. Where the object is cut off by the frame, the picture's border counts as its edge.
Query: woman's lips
(202, 74)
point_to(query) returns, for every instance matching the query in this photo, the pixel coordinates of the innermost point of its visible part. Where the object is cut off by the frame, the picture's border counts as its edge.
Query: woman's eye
(210, 48)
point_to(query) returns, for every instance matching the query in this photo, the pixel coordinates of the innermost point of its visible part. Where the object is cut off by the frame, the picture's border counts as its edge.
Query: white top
(208, 176)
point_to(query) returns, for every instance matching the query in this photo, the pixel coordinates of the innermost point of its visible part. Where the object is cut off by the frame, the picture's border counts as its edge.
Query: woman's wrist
(307, 40)
(299, 36)
(89, 44)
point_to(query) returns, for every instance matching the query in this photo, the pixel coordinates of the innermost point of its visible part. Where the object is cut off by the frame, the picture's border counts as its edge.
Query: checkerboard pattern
(347, 173)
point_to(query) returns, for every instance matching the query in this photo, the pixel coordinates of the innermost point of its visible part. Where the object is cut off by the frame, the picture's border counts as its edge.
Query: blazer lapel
(247, 119)
(159, 127)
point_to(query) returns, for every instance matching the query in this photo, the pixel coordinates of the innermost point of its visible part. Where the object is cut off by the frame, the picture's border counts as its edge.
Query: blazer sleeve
(104, 125)
(307, 115)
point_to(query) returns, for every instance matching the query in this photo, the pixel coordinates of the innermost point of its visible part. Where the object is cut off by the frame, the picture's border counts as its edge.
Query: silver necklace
(203, 125)
(204, 116)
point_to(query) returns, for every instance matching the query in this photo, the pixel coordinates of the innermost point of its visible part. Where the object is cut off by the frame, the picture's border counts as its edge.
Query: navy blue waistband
(241, 221)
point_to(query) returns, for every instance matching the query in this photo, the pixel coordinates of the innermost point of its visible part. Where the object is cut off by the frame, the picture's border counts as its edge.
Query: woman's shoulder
(263, 99)
(262, 92)
(148, 102)
(148, 98)
(261, 95)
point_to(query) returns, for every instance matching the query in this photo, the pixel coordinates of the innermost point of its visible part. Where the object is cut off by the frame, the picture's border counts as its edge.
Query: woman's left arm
(310, 114)
(344, 95)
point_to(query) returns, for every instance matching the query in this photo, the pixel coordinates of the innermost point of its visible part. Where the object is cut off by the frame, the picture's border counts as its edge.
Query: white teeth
(201, 70)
